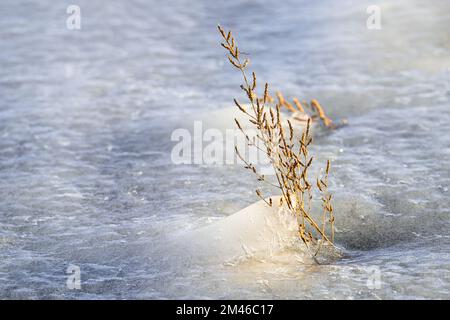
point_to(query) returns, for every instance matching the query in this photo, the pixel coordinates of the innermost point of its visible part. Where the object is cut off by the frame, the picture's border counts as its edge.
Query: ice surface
(86, 118)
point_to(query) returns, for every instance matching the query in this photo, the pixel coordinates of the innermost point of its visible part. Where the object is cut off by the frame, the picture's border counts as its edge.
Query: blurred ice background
(85, 123)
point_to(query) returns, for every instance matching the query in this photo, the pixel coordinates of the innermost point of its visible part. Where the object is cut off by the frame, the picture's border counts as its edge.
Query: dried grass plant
(290, 159)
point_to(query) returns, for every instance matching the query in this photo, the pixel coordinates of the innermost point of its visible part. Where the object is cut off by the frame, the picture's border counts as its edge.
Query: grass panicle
(290, 159)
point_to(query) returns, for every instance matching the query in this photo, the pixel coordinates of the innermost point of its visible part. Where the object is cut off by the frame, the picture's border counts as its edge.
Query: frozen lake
(86, 117)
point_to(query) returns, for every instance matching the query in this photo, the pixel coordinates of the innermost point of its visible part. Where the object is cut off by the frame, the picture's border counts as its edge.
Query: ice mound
(257, 231)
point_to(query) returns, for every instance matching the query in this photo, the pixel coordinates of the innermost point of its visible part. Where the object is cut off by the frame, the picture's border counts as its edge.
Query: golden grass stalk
(290, 159)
